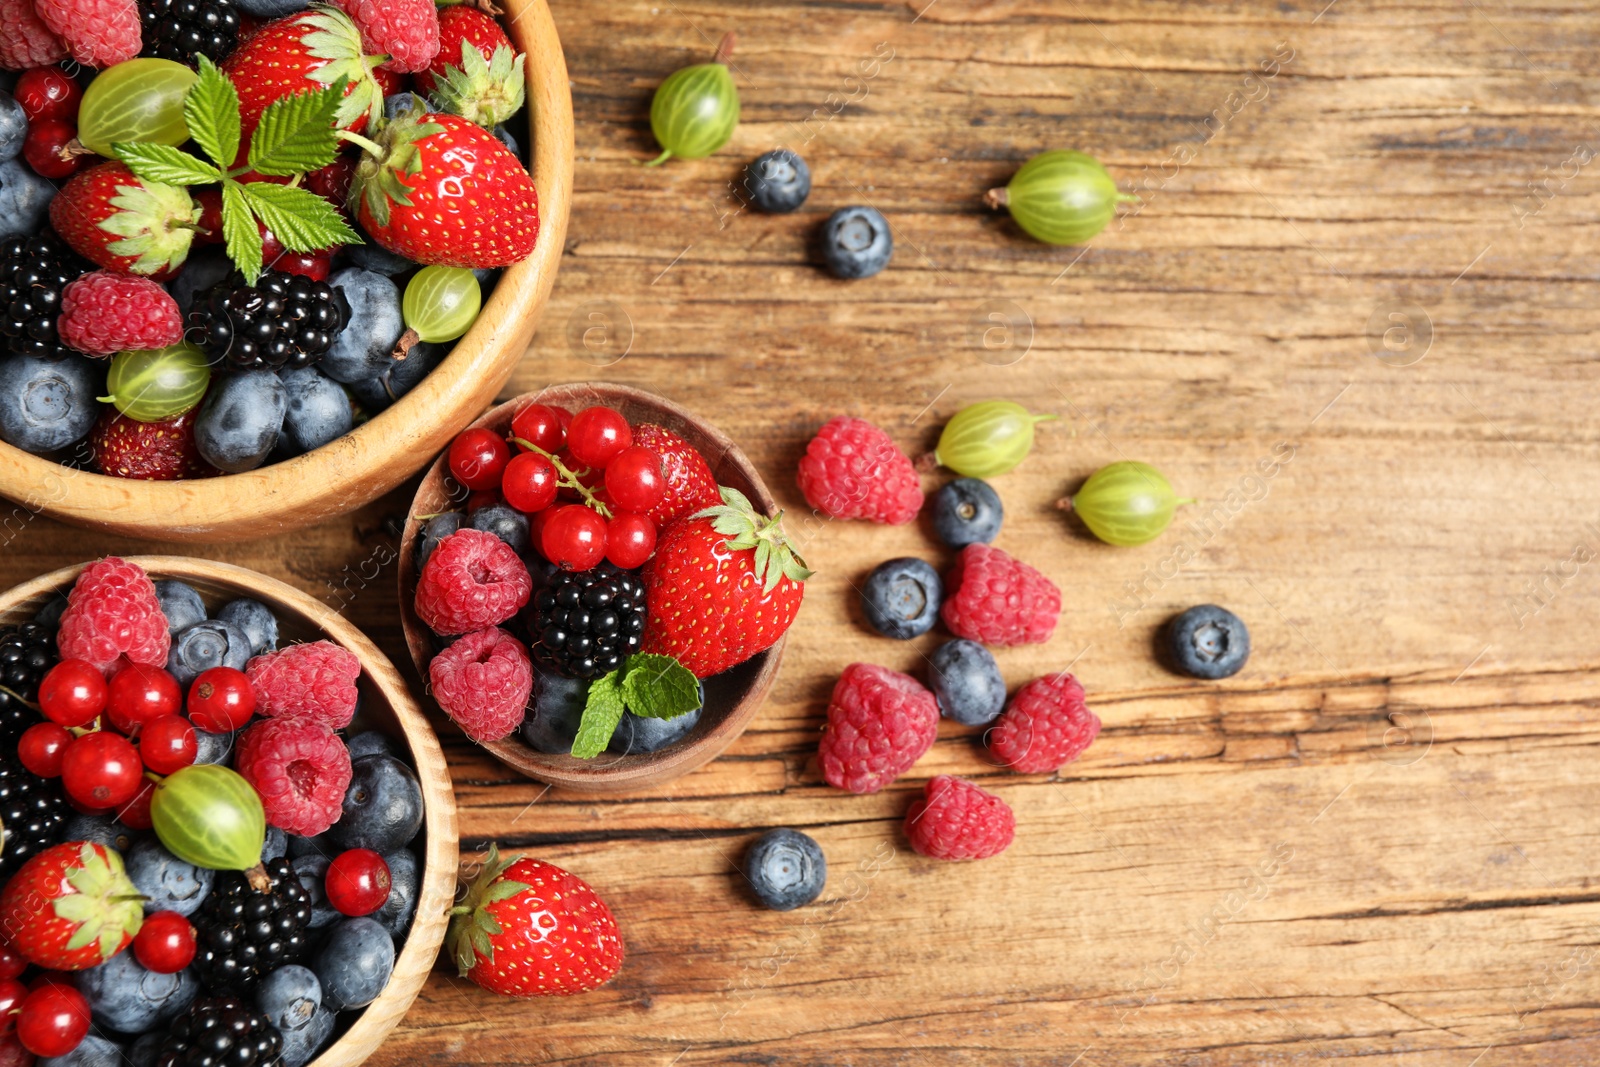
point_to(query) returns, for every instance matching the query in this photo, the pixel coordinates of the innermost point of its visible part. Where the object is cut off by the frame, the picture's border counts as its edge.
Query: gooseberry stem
(568, 479)
(402, 347)
(997, 198)
(258, 878)
(665, 155)
(725, 48)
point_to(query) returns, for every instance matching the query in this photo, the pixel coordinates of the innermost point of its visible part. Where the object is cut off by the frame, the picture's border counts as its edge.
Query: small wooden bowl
(732, 697)
(386, 705)
(377, 456)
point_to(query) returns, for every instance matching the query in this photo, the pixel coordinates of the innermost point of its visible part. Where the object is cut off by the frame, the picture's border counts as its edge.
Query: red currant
(630, 540)
(221, 700)
(12, 994)
(478, 458)
(42, 149)
(634, 479)
(357, 882)
(12, 962)
(597, 435)
(314, 265)
(573, 537)
(73, 693)
(101, 770)
(541, 425)
(47, 93)
(168, 744)
(54, 1018)
(135, 814)
(165, 943)
(530, 482)
(210, 231)
(42, 747)
(138, 694)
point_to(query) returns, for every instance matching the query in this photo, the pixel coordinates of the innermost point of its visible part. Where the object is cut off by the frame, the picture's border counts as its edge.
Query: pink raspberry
(300, 768)
(407, 31)
(880, 722)
(473, 580)
(103, 312)
(955, 820)
(98, 33)
(852, 470)
(25, 41)
(112, 611)
(1047, 726)
(994, 599)
(315, 680)
(482, 681)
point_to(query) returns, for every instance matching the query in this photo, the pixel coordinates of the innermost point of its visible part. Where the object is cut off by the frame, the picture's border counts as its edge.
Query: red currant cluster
(586, 485)
(50, 99)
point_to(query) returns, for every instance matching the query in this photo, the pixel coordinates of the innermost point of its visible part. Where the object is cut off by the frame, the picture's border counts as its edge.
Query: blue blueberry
(966, 682)
(289, 996)
(437, 529)
(50, 615)
(13, 127)
(405, 879)
(354, 964)
(901, 597)
(213, 748)
(382, 807)
(778, 181)
(125, 997)
(92, 1051)
(204, 268)
(396, 104)
(319, 410)
(241, 419)
(967, 512)
(146, 1051)
(635, 734)
(180, 604)
(168, 883)
(272, 9)
(301, 1046)
(204, 645)
(102, 830)
(365, 348)
(45, 404)
(256, 620)
(378, 394)
(312, 871)
(312, 846)
(552, 723)
(785, 869)
(370, 743)
(856, 242)
(370, 255)
(24, 198)
(275, 845)
(1208, 642)
(506, 523)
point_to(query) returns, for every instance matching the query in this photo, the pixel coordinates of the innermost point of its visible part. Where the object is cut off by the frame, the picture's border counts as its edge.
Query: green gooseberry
(696, 109)
(1126, 503)
(208, 815)
(441, 302)
(1060, 198)
(139, 100)
(156, 384)
(987, 438)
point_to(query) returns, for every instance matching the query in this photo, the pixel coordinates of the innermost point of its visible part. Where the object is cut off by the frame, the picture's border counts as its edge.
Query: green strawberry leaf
(658, 687)
(165, 164)
(297, 133)
(601, 714)
(211, 111)
(243, 239)
(299, 218)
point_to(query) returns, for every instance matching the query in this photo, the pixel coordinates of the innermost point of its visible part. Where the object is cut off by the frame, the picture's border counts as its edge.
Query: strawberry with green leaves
(724, 585)
(460, 25)
(71, 907)
(527, 928)
(306, 52)
(133, 225)
(485, 87)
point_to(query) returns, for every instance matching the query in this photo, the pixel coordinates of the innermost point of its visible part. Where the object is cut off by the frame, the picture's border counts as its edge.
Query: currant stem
(567, 478)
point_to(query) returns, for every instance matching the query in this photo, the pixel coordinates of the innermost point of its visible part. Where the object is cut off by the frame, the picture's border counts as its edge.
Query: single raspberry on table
(25, 41)
(473, 580)
(690, 484)
(482, 681)
(316, 680)
(98, 33)
(1046, 726)
(103, 312)
(407, 31)
(113, 611)
(300, 768)
(880, 722)
(955, 820)
(994, 599)
(852, 470)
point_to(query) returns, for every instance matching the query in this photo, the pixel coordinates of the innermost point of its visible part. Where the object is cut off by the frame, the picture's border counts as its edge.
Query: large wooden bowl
(732, 697)
(386, 705)
(382, 453)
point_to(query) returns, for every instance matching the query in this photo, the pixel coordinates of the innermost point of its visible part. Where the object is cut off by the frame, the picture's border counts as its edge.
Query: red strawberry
(690, 483)
(148, 451)
(458, 25)
(446, 192)
(721, 588)
(527, 928)
(71, 907)
(302, 53)
(124, 223)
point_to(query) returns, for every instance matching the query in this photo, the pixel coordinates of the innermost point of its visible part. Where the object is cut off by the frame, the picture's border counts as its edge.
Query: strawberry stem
(370, 146)
(567, 478)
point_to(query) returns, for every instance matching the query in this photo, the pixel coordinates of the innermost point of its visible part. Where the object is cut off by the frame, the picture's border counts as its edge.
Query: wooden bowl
(732, 697)
(377, 456)
(386, 705)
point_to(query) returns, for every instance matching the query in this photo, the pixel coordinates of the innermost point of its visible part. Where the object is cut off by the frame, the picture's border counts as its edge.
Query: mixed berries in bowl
(225, 838)
(596, 586)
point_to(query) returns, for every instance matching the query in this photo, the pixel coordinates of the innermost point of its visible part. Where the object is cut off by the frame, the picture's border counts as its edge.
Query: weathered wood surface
(1253, 872)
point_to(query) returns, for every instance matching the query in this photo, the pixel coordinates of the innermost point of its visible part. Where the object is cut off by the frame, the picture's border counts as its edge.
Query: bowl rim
(621, 774)
(381, 453)
(441, 858)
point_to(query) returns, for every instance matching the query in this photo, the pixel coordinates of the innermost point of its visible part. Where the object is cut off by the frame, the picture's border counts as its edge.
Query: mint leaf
(601, 714)
(297, 133)
(162, 163)
(299, 218)
(211, 111)
(240, 232)
(658, 687)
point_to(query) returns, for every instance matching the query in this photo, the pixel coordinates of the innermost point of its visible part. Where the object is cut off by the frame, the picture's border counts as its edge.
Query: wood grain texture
(1424, 555)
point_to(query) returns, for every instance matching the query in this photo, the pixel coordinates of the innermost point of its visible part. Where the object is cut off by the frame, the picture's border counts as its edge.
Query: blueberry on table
(966, 682)
(48, 404)
(901, 597)
(778, 181)
(241, 419)
(1208, 642)
(967, 512)
(785, 869)
(382, 806)
(856, 242)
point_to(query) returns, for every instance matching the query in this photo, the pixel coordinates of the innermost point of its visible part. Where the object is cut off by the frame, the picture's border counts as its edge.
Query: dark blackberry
(246, 932)
(180, 30)
(33, 271)
(284, 320)
(33, 813)
(221, 1032)
(585, 623)
(26, 653)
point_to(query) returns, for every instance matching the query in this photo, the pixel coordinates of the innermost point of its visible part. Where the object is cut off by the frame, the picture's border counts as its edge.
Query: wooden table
(1362, 260)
